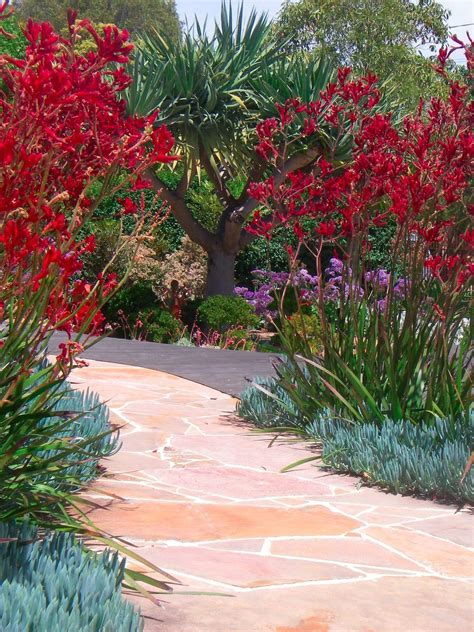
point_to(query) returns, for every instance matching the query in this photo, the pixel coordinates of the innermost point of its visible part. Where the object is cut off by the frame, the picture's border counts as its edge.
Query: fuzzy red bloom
(326, 229)
(128, 206)
(414, 175)
(63, 127)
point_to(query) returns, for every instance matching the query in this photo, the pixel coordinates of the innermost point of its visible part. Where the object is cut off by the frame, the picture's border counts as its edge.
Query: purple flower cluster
(376, 284)
(339, 282)
(267, 285)
(260, 299)
(401, 288)
(307, 284)
(378, 278)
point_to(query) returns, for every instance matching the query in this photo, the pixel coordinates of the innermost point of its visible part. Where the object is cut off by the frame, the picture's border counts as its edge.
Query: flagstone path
(306, 551)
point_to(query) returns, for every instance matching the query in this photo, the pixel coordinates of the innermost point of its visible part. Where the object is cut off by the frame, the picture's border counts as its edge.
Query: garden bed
(424, 459)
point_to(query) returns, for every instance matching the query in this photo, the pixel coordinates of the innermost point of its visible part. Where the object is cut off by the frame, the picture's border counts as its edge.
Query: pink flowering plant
(395, 341)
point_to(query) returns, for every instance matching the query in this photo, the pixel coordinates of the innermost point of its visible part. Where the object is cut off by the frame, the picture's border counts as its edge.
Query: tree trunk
(220, 272)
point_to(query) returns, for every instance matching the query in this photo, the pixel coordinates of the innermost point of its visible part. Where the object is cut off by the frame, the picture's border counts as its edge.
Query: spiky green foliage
(54, 583)
(211, 91)
(401, 364)
(426, 459)
(205, 86)
(51, 439)
(90, 420)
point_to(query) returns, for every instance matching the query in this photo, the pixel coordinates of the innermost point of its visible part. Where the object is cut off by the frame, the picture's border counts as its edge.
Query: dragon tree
(211, 91)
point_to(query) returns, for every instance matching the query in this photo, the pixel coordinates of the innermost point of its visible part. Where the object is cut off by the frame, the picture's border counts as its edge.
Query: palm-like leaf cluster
(207, 89)
(211, 91)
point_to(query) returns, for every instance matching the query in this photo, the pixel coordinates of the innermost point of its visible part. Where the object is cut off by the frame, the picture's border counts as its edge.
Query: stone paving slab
(202, 496)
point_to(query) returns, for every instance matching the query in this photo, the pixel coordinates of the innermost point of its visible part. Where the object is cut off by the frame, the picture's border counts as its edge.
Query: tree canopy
(212, 91)
(380, 36)
(136, 15)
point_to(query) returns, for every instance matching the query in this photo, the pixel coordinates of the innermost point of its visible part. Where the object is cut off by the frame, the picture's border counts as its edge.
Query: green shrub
(381, 240)
(134, 314)
(53, 584)
(220, 313)
(130, 299)
(109, 208)
(138, 260)
(16, 46)
(426, 459)
(160, 326)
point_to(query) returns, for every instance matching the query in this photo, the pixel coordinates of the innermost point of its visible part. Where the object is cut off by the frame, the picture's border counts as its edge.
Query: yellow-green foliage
(304, 330)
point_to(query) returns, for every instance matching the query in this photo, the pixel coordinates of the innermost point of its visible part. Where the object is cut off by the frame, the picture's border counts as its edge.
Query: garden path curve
(225, 370)
(306, 551)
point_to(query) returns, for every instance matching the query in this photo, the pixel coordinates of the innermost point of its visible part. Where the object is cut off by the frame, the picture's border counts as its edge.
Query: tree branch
(297, 161)
(246, 239)
(182, 213)
(255, 175)
(186, 179)
(221, 190)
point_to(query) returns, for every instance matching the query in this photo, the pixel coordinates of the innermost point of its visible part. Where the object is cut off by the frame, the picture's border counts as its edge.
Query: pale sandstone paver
(202, 496)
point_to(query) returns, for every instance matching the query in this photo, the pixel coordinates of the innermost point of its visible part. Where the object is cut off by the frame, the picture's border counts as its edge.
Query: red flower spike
(409, 175)
(63, 127)
(128, 206)
(326, 229)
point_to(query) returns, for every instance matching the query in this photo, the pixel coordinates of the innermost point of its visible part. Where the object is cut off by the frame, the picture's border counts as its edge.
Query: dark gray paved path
(226, 371)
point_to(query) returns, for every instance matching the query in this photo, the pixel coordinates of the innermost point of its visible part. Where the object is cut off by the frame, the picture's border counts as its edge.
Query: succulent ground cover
(53, 583)
(399, 456)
